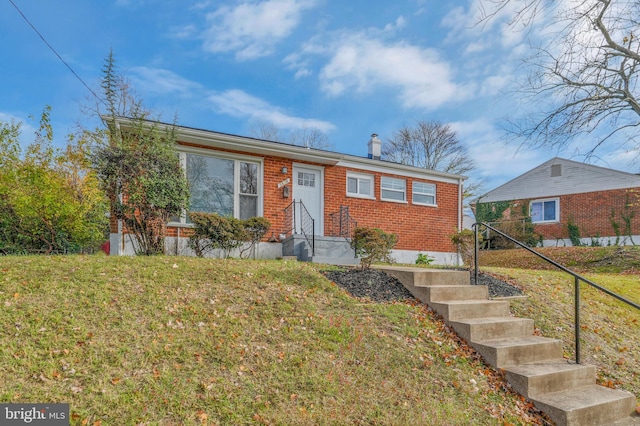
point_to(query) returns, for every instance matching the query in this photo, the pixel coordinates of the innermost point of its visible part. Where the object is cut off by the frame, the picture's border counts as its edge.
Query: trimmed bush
(212, 231)
(373, 245)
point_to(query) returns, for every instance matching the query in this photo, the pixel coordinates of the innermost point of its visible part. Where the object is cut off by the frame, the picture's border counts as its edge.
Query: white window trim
(543, 200)
(391, 200)
(434, 194)
(363, 176)
(237, 158)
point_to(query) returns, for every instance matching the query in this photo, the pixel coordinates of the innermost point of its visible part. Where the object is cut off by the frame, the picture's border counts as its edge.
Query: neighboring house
(602, 204)
(245, 177)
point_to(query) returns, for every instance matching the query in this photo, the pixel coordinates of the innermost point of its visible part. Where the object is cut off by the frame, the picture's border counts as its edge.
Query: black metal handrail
(290, 219)
(342, 224)
(577, 279)
(308, 227)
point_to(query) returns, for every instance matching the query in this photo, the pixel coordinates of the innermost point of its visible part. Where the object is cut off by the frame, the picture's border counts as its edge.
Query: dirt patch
(377, 286)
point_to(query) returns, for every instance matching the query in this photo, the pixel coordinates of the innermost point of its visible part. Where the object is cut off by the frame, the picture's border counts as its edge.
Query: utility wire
(55, 52)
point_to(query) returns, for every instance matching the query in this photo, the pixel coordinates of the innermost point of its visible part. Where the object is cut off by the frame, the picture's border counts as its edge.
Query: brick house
(602, 204)
(245, 177)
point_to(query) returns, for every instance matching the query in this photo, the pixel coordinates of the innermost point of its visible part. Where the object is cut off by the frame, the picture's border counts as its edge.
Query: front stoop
(533, 365)
(329, 250)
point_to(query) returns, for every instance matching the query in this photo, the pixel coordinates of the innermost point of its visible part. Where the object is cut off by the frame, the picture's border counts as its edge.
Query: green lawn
(173, 340)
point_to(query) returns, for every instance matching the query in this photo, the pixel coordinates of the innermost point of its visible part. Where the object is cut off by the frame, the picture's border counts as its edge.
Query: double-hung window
(359, 185)
(545, 210)
(393, 189)
(224, 185)
(424, 193)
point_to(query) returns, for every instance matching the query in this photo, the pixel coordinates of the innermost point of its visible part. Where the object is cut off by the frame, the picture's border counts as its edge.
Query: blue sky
(348, 68)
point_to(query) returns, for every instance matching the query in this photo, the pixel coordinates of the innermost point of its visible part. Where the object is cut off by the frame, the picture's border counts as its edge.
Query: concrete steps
(533, 365)
(329, 250)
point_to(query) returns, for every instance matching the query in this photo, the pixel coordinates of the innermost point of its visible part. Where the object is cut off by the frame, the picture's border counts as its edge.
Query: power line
(54, 51)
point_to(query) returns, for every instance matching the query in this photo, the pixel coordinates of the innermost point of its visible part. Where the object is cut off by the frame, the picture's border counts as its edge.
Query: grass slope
(168, 340)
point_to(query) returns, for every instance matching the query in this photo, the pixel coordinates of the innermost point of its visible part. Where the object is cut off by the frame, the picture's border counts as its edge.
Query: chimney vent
(375, 147)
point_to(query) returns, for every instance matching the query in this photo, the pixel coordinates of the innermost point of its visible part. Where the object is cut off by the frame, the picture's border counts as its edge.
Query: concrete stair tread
(550, 366)
(491, 320)
(633, 420)
(506, 342)
(509, 351)
(423, 277)
(455, 310)
(471, 302)
(587, 405)
(552, 375)
(486, 328)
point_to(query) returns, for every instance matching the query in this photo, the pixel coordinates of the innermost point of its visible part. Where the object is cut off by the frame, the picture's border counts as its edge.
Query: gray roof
(560, 176)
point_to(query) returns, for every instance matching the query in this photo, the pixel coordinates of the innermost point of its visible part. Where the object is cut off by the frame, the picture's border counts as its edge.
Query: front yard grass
(176, 340)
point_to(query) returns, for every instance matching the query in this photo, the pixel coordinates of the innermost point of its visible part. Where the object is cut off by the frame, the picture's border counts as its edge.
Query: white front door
(308, 188)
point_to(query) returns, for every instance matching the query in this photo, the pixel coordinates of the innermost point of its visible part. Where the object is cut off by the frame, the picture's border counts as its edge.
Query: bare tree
(584, 78)
(308, 137)
(431, 145)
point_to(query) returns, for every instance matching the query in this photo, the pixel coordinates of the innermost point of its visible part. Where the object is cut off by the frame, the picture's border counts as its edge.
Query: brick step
(479, 329)
(505, 352)
(464, 309)
(531, 380)
(588, 405)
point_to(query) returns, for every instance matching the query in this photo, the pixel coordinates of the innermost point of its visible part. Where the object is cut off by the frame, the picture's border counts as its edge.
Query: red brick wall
(592, 213)
(418, 227)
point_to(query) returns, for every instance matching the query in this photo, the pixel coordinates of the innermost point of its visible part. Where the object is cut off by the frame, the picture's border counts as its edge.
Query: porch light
(284, 170)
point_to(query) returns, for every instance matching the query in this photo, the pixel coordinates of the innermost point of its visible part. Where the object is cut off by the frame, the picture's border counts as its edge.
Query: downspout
(460, 183)
(460, 189)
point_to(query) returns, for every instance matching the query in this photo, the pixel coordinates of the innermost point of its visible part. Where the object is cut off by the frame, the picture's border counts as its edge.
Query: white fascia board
(368, 165)
(256, 146)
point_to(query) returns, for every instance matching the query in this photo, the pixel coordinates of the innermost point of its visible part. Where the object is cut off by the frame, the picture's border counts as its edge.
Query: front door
(308, 188)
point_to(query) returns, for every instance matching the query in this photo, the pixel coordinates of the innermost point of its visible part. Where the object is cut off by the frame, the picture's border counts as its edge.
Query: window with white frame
(542, 211)
(424, 193)
(393, 189)
(223, 185)
(359, 185)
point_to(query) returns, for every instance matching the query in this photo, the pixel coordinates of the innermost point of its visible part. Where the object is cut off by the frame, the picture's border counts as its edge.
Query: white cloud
(361, 63)
(497, 162)
(161, 81)
(184, 32)
(238, 103)
(252, 29)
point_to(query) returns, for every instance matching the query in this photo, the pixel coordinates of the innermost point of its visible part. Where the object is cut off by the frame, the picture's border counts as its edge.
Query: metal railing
(308, 227)
(342, 224)
(305, 224)
(577, 279)
(290, 219)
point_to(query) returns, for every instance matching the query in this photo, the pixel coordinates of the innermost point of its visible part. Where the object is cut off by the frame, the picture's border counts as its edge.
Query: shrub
(373, 245)
(50, 202)
(424, 259)
(212, 231)
(255, 229)
(464, 242)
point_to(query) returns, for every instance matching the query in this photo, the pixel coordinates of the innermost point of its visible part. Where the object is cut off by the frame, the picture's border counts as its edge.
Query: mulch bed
(377, 286)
